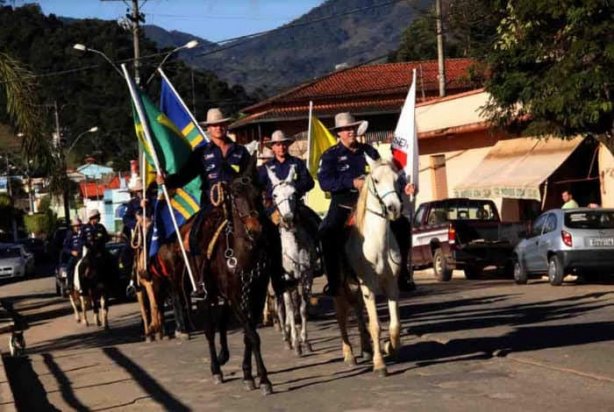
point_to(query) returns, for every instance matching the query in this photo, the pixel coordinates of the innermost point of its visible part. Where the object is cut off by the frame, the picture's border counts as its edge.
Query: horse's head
(381, 188)
(284, 195)
(244, 199)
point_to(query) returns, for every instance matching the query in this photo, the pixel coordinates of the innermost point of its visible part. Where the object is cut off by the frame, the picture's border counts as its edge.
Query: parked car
(15, 261)
(55, 242)
(36, 247)
(461, 233)
(563, 241)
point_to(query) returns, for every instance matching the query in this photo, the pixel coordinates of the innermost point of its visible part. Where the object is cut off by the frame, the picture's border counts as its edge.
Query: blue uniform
(129, 218)
(303, 182)
(213, 167)
(94, 235)
(72, 242)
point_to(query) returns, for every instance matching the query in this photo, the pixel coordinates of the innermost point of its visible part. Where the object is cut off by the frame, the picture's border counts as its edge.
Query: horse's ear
(274, 180)
(291, 174)
(370, 161)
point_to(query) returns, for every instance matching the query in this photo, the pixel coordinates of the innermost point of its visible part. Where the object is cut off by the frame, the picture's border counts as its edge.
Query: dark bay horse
(233, 258)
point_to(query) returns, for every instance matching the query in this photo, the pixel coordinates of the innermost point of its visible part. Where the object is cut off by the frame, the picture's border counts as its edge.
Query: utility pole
(440, 51)
(58, 146)
(136, 19)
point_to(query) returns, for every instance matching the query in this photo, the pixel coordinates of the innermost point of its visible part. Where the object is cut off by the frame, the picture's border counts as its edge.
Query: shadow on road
(145, 381)
(63, 382)
(27, 389)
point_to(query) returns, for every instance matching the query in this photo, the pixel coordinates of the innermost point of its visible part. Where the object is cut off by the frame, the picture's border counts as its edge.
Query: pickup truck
(461, 233)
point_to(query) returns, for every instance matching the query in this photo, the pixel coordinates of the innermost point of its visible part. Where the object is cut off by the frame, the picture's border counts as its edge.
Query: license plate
(601, 241)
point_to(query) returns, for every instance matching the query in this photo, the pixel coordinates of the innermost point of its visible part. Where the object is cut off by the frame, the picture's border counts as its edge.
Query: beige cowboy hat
(345, 119)
(75, 221)
(215, 116)
(278, 137)
(93, 213)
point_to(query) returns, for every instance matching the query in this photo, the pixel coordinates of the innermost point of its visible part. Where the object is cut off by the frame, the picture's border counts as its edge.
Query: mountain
(170, 39)
(336, 32)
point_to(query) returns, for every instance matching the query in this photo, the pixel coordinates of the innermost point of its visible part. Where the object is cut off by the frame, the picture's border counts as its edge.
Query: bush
(38, 223)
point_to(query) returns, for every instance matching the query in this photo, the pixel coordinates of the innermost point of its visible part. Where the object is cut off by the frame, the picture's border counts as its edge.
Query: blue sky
(213, 20)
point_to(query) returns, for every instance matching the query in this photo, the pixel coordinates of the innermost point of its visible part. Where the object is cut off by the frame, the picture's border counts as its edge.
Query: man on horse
(217, 162)
(280, 166)
(72, 248)
(93, 236)
(342, 172)
(134, 204)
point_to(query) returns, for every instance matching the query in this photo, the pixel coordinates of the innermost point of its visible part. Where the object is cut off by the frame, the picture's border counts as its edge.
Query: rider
(93, 235)
(72, 248)
(342, 172)
(134, 204)
(280, 165)
(219, 161)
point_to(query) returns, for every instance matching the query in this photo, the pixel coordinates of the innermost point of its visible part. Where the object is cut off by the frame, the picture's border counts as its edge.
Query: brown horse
(234, 262)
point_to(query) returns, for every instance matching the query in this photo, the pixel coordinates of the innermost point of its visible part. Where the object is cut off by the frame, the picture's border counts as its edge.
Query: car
(15, 261)
(55, 243)
(36, 247)
(576, 241)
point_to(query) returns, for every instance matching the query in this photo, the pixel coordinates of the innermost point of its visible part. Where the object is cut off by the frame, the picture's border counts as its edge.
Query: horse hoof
(223, 357)
(297, 350)
(218, 379)
(182, 335)
(266, 388)
(148, 339)
(382, 372)
(308, 348)
(249, 385)
(350, 362)
(288, 345)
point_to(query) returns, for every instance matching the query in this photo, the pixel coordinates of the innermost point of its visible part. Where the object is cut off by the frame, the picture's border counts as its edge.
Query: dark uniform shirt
(72, 242)
(129, 218)
(339, 166)
(94, 235)
(209, 162)
(303, 182)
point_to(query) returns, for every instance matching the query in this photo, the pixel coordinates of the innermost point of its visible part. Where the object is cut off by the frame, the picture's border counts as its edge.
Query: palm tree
(24, 111)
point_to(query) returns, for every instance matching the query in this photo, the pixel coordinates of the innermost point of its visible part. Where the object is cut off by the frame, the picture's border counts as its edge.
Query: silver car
(564, 241)
(15, 261)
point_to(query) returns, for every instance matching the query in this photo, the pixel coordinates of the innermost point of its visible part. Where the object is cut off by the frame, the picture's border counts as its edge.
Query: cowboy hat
(215, 116)
(75, 221)
(93, 213)
(345, 119)
(278, 137)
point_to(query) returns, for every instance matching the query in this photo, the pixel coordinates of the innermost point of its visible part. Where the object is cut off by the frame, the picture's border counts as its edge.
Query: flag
(405, 142)
(320, 140)
(173, 151)
(175, 109)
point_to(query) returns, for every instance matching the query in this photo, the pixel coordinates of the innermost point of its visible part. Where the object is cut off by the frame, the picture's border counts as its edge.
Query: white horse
(298, 261)
(374, 256)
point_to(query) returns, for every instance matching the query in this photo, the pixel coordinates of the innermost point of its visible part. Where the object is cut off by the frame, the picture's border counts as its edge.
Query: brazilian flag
(173, 151)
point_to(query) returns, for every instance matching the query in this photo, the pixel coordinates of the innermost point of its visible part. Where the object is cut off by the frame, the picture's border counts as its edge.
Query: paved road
(467, 345)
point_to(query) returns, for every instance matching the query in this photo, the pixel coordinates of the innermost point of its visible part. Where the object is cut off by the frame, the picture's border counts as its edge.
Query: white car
(15, 261)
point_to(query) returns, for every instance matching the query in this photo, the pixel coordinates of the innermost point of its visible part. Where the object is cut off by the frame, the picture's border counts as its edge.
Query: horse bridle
(380, 198)
(287, 199)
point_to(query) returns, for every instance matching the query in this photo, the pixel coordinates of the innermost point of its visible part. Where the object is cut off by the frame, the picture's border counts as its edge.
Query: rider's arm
(329, 178)
(304, 181)
(189, 171)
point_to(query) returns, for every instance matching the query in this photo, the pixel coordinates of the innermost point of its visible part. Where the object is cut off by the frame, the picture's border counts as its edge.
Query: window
(538, 225)
(597, 219)
(419, 215)
(550, 224)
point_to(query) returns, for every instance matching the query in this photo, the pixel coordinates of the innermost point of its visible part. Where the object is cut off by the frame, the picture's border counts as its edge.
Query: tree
(552, 68)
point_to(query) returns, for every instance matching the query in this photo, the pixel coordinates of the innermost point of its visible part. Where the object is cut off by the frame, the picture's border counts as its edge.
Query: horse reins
(380, 199)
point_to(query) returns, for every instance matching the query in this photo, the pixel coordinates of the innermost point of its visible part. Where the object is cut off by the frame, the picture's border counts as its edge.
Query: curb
(7, 400)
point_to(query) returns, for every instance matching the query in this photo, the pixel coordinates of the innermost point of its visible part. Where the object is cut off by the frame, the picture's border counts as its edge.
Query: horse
(298, 259)
(233, 259)
(92, 278)
(375, 259)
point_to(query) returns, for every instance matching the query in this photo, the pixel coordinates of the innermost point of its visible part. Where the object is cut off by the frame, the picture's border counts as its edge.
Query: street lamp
(91, 130)
(84, 48)
(189, 45)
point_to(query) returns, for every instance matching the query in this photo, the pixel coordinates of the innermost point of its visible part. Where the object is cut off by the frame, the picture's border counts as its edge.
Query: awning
(515, 168)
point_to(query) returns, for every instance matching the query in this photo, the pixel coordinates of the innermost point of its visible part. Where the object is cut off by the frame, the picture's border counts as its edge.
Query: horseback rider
(134, 204)
(280, 165)
(217, 162)
(72, 248)
(92, 240)
(342, 172)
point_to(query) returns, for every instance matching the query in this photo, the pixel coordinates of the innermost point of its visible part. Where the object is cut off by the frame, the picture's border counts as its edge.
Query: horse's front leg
(341, 312)
(281, 316)
(95, 307)
(209, 330)
(84, 311)
(290, 325)
(105, 311)
(254, 339)
(74, 306)
(154, 315)
(140, 296)
(392, 292)
(305, 297)
(224, 354)
(378, 361)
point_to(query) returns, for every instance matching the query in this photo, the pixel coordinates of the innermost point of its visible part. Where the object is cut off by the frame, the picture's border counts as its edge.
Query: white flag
(405, 142)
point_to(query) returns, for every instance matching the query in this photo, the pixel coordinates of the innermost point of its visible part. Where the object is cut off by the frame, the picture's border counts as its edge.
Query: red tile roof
(365, 89)
(97, 188)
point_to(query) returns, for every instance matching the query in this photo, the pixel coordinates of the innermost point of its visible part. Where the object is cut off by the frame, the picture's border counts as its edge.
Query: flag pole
(144, 219)
(308, 159)
(202, 133)
(141, 112)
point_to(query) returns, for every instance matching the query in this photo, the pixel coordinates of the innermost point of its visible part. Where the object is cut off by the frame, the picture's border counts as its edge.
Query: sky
(213, 20)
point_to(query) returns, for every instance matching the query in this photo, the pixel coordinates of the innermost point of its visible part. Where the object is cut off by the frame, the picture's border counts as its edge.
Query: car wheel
(473, 271)
(520, 273)
(443, 273)
(555, 271)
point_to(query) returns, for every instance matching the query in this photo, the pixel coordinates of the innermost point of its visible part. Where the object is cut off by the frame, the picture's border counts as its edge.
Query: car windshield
(9, 252)
(597, 219)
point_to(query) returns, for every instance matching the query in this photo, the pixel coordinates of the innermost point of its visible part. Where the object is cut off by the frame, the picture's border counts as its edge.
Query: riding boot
(401, 228)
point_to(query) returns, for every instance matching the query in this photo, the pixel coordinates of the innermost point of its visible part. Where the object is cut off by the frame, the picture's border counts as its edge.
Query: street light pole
(189, 45)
